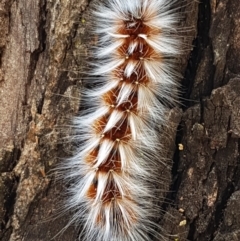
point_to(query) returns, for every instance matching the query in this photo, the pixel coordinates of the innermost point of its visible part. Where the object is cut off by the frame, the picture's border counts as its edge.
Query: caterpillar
(114, 172)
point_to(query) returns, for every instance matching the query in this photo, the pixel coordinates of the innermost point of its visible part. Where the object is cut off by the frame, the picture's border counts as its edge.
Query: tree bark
(42, 44)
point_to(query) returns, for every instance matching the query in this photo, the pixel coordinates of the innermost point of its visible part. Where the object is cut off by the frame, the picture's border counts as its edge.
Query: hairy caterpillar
(115, 169)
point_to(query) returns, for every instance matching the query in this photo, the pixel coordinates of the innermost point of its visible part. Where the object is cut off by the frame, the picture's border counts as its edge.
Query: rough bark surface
(42, 44)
